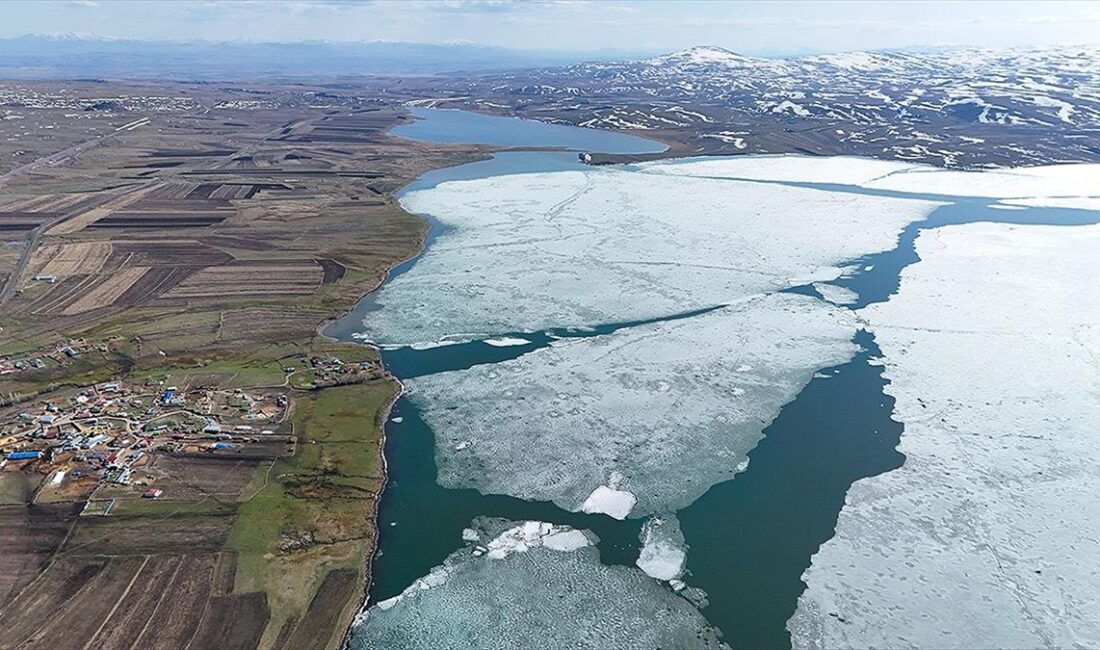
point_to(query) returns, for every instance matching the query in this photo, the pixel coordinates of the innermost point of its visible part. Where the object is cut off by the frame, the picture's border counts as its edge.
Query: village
(118, 439)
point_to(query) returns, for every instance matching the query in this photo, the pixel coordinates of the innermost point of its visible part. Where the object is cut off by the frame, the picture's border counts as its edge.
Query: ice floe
(539, 585)
(506, 341)
(989, 535)
(531, 252)
(587, 425)
(663, 552)
(574, 249)
(610, 501)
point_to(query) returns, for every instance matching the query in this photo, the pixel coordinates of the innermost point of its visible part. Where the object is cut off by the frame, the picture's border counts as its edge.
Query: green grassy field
(313, 512)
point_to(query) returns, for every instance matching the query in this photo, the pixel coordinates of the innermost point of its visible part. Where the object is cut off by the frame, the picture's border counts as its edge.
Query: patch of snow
(790, 108)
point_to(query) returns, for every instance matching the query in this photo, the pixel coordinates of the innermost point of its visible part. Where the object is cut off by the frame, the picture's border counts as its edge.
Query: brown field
(80, 219)
(108, 291)
(195, 479)
(76, 259)
(214, 240)
(28, 537)
(251, 279)
(139, 601)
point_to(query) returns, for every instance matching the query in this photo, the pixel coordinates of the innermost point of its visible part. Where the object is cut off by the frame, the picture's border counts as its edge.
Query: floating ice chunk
(611, 502)
(506, 341)
(988, 535)
(397, 420)
(532, 534)
(662, 555)
(428, 345)
(556, 594)
(836, 295)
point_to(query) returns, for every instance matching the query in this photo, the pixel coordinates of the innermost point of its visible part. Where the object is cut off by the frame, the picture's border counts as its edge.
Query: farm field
(202, 244)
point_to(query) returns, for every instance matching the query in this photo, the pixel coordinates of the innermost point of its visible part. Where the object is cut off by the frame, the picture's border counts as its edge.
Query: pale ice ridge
(661, 411)
(1075, 202)
(664, 552)
(1052, 181)
(1033, 184)
(786, 168)
(506, 341)
(989, 534)
(530, 252)
(547, 589)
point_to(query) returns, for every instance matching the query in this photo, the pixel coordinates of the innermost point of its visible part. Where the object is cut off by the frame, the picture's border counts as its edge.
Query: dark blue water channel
(751, 538)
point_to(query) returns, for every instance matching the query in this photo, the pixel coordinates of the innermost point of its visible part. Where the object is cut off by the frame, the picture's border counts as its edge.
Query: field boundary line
(117, 603)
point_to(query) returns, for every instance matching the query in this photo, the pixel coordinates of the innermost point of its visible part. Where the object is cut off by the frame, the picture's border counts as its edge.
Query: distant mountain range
(1046, 86)
(71, 56)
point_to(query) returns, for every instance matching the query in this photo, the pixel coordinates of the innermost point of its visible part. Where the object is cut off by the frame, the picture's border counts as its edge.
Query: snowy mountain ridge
(946, 106)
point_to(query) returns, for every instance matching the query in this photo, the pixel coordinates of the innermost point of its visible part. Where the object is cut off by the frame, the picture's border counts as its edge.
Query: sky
(760, 28)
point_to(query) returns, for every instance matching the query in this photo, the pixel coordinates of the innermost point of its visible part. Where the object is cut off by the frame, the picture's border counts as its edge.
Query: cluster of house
(59, 355)
(107, 431)
(331, 371)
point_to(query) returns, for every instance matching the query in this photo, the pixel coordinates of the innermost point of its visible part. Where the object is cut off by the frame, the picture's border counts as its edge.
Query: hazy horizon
(573, 26)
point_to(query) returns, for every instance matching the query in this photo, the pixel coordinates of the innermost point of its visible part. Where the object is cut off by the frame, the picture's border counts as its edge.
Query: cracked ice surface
(529, 252)
(659, 412)
(539, 585)
(989, 535)
(666, 407)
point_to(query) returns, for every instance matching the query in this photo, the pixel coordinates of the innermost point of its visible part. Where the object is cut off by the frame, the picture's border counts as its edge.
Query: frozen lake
(598, 348)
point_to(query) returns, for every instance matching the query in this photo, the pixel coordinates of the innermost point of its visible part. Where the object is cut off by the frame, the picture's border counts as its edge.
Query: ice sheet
(554, 593)
(661, 404)
(530, 252)
(989, 535)
(661, 411)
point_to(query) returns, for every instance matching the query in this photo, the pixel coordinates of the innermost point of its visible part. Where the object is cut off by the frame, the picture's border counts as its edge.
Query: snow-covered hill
(1036, 104)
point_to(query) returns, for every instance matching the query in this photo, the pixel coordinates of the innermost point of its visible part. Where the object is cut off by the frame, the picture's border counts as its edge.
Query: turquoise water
(750, 538)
